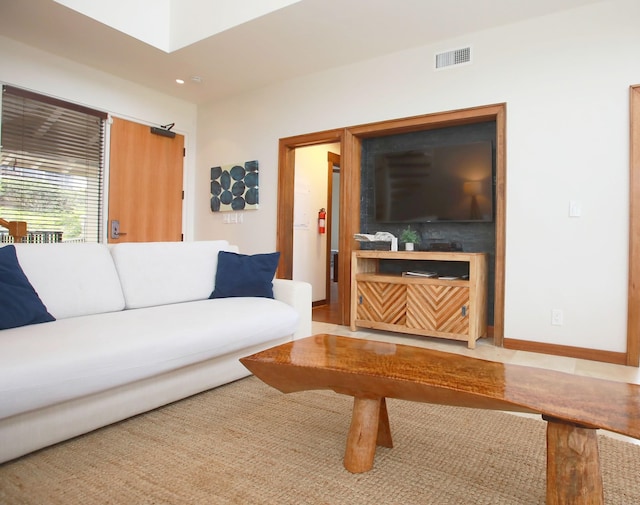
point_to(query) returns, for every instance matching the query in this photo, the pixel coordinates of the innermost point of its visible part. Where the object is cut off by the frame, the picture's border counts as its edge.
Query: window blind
(51, 166)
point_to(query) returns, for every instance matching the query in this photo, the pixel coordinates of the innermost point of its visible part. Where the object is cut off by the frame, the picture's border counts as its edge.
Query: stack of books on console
(419, 273)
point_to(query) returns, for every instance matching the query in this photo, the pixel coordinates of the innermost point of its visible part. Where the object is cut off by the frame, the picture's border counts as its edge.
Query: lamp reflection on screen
(473, 189)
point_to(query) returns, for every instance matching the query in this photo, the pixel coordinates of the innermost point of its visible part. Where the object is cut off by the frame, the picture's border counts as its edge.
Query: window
(51, 166)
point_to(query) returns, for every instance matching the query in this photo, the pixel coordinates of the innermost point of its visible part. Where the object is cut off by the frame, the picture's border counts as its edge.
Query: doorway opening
(316, 209)
(330, 310)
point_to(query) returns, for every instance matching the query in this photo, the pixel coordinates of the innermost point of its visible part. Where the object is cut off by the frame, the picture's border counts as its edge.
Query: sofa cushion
(63, 360)
(245, 275)
(72, 279)
(159, 273)
(20, 305)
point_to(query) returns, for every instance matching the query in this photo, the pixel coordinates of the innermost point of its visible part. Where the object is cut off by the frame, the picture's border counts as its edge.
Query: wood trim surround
(286, 192)
(429, 121)
(350, 162)
(501, 217)
(494, 112)
(633, 315)
(350, 139)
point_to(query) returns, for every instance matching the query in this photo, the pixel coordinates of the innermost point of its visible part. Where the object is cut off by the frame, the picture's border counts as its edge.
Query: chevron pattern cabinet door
(438, 307)
(382, 302)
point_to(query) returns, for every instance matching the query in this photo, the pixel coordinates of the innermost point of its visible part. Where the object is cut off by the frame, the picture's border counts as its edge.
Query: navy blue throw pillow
(245, 275)
(20, 305)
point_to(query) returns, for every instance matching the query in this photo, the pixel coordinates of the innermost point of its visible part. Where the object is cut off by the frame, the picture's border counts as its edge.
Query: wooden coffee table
(573, 406)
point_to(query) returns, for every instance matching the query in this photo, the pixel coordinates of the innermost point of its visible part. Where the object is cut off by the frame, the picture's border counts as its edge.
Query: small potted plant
(409, 237)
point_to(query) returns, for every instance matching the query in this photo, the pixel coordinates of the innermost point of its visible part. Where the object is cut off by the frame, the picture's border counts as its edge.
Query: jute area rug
(246, 443)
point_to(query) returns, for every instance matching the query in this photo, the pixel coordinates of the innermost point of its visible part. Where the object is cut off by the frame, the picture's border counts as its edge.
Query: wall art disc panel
(234, 187)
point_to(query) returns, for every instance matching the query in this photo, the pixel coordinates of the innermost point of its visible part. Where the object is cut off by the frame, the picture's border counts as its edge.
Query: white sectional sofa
(134, 329)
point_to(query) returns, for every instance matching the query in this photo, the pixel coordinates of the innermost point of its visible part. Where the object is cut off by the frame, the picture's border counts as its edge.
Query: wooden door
(145, 184)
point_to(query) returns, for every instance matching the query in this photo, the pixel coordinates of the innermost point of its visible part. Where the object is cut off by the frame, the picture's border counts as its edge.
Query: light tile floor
(486, 350)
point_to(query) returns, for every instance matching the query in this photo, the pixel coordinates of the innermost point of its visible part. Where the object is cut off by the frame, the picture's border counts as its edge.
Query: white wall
(29, 68)
(565, 80)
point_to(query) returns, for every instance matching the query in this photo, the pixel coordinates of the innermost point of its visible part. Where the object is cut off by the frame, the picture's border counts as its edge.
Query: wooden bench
(573, 406)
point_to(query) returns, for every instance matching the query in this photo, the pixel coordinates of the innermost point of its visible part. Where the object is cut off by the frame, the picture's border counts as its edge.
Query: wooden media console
(439, 306)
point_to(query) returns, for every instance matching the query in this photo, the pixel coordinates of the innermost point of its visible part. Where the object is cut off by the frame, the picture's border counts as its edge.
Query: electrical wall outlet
(557, 317)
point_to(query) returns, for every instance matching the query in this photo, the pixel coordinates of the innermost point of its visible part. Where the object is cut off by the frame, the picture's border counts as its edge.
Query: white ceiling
(302, 38)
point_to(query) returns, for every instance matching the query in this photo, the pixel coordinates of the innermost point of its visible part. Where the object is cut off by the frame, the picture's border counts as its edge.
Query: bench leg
(573, 465)
(369, 427)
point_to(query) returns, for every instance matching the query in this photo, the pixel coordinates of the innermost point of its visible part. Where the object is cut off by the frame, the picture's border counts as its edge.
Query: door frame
(333, 160)
(286, 191)
(493, 112)
(633, 294)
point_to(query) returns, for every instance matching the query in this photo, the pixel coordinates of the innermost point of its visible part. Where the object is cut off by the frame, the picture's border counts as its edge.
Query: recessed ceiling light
(180, 81)
(196, 78)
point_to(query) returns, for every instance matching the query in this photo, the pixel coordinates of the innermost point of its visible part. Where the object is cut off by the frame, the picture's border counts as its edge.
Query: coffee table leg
(384, 428)
(573, 465)
(369, 426)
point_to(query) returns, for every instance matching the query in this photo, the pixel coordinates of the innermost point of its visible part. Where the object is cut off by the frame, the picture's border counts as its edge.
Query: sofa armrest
(298, 295)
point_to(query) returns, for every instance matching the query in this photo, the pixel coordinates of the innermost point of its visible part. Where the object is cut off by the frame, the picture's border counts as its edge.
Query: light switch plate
(575, 208)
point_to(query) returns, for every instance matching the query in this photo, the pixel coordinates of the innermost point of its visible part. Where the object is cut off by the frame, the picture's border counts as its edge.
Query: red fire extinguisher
(322, 221)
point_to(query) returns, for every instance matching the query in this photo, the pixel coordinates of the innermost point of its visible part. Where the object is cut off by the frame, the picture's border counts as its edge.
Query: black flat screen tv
(452, 183)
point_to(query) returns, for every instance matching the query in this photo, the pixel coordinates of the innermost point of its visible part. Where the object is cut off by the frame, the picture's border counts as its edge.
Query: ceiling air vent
(454, 57)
